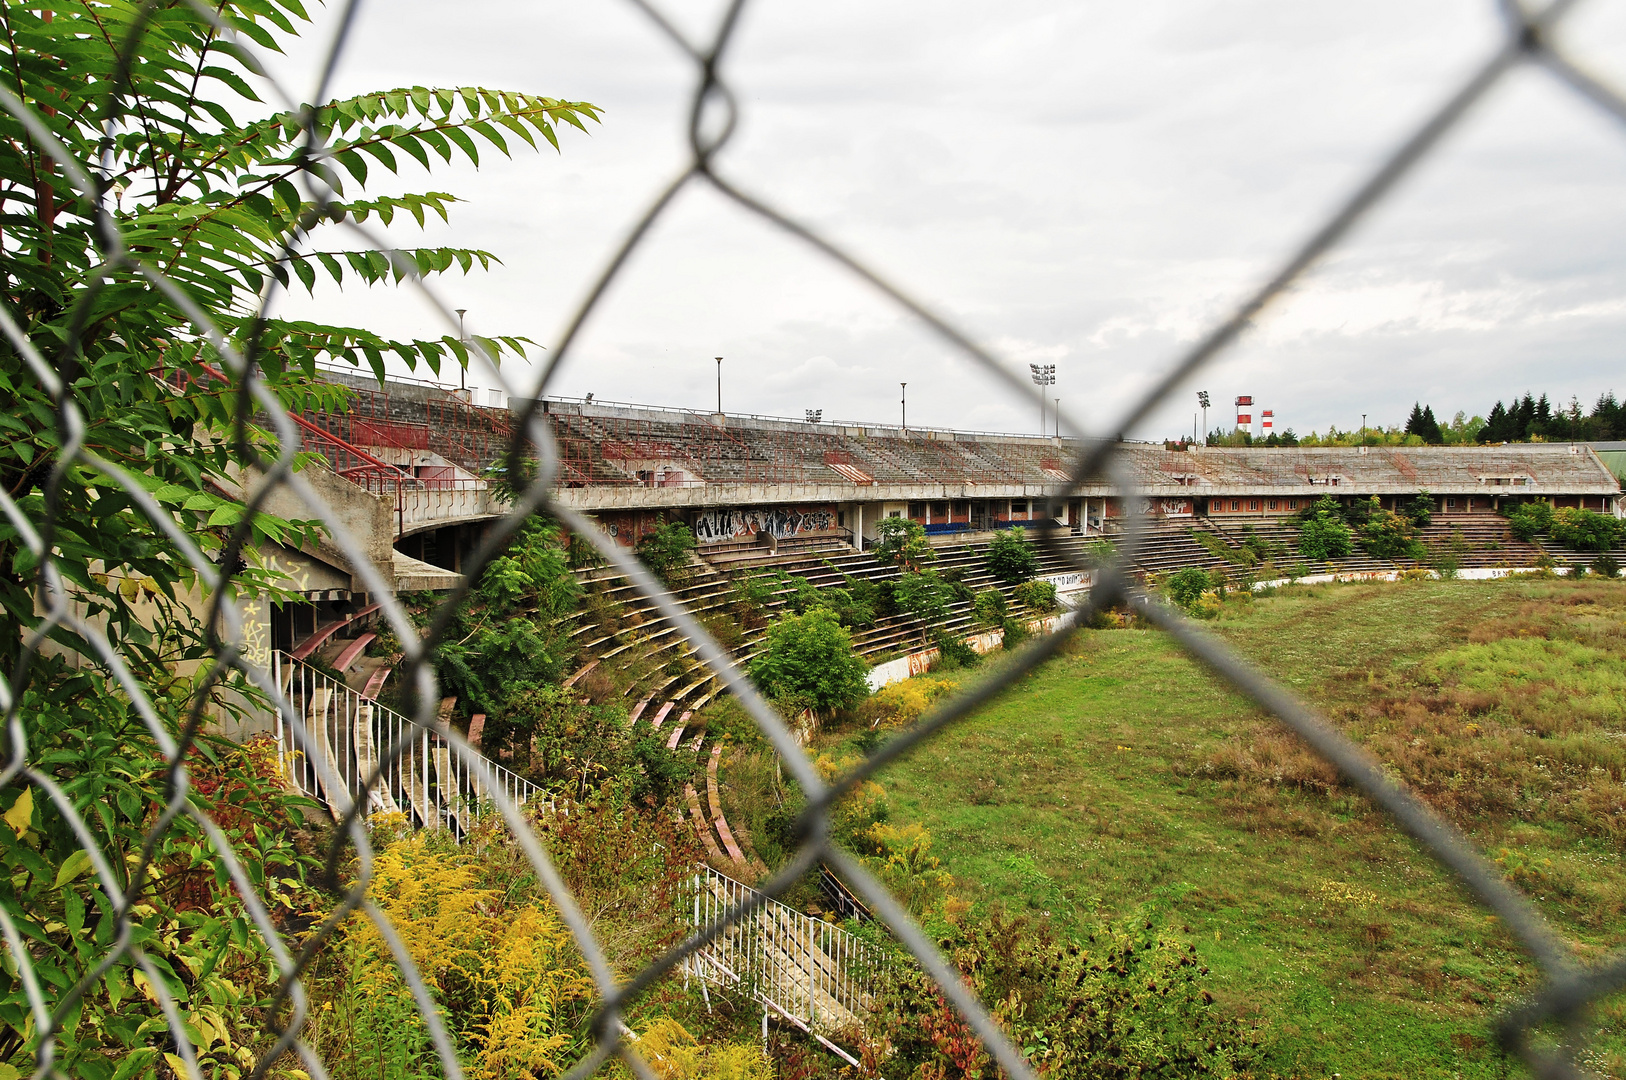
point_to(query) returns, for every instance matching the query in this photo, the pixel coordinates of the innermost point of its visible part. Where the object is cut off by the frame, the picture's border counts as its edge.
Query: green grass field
(1125, 778)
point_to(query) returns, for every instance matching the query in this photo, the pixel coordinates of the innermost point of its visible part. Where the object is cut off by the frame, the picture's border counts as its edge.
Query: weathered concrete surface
(367, 520)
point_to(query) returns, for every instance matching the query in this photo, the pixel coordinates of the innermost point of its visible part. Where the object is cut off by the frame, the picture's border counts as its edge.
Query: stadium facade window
(1451, 504)
(1292, 504)
(940, 511)
(1236, 504)
(1253, 504)
(917, 510)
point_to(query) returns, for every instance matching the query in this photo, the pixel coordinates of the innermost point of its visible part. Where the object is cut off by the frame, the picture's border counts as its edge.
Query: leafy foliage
(1529, 418)
(1323, 534)
(811, 655)
(1125, 1001)
(923, 594)
(1585, 530)
(511, 634)
(1387, 534)
(1530, 519)
(1186, 587)
(901, 542)
(190, 924)
(990, 607)
(1011, 558)
(573, 747)
(1037, 596)
(665, 550)
(136, 142)
(1421, 509)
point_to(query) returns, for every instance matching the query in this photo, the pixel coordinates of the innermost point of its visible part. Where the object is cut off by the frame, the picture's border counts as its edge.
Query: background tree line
(1527, 419)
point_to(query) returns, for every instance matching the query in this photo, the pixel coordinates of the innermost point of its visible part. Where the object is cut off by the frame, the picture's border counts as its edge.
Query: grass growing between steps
(1123, 778)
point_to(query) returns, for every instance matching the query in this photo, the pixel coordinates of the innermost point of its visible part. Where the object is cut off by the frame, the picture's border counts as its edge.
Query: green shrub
(1186, 587)
(1388, 535)
(1036, 595)
(1127, 1000)
(1420, 510)
(1584, 530)
(665, 550)
(953, 652)
(1015, 634)
(923, 595)
(1324, 536)
(901, 542)
(812, 654)
(1605, 566)
(1011, 558)
(1530, 519)
(989, 607)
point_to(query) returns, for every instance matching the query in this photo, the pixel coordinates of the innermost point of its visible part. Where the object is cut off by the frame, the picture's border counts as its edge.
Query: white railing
(809, 972)
(342, 737)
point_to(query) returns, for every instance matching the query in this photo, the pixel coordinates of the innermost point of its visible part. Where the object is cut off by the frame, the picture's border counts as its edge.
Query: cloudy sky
(1084, 184)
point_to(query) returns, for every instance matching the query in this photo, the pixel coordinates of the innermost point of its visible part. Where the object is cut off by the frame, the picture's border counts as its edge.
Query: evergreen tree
(1423, 424)
(1414, 422)
(1523, 416)
(1431, 432)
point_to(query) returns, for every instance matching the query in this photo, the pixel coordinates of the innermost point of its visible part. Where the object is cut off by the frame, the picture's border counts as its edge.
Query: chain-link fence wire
(1568, 986)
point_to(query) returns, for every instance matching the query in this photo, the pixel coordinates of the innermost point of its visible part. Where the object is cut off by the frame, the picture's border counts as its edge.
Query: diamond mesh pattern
(1568, 986)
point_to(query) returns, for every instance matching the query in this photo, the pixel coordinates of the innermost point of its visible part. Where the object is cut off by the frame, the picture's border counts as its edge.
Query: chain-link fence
(1559, 1005)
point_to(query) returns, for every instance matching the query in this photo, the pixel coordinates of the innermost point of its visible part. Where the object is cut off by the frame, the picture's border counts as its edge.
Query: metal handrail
(347, 734)
(810, 972)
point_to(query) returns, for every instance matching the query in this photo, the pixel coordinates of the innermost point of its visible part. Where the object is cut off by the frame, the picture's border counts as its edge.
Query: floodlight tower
(1043, 375)
(463, 339)
(1202, 400)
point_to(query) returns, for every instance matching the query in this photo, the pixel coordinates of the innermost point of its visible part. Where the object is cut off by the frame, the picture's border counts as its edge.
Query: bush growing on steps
(1388, 535)
(1530, 520)
(811, 654)
(1037, 596)
(572, 747)
(1011, 558)
(924, 595)
(665, 551)
(1421, 509)
(1605, 566)
(1324, 535)
(901, 542)
(953, 652)
(1584, 530)
(512, 632)
(990, 608)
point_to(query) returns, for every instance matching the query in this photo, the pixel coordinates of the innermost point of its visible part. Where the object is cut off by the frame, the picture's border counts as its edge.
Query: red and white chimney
(1267, 423)
(1244, 420)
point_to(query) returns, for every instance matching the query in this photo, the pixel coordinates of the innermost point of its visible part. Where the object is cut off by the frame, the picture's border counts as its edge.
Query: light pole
(463, 338)
(1202, 400)
(719, 386)
(1058, 418)
(1363, 429)
(903, 388)
(1043, 375)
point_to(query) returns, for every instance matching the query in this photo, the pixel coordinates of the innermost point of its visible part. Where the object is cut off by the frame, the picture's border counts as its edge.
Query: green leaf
(72, 868)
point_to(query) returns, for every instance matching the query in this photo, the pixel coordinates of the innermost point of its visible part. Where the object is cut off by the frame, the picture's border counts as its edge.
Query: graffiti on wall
(1166, 507)
(712, 526)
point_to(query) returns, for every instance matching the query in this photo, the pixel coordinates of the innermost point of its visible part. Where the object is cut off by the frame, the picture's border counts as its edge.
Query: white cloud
(1093, 188)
